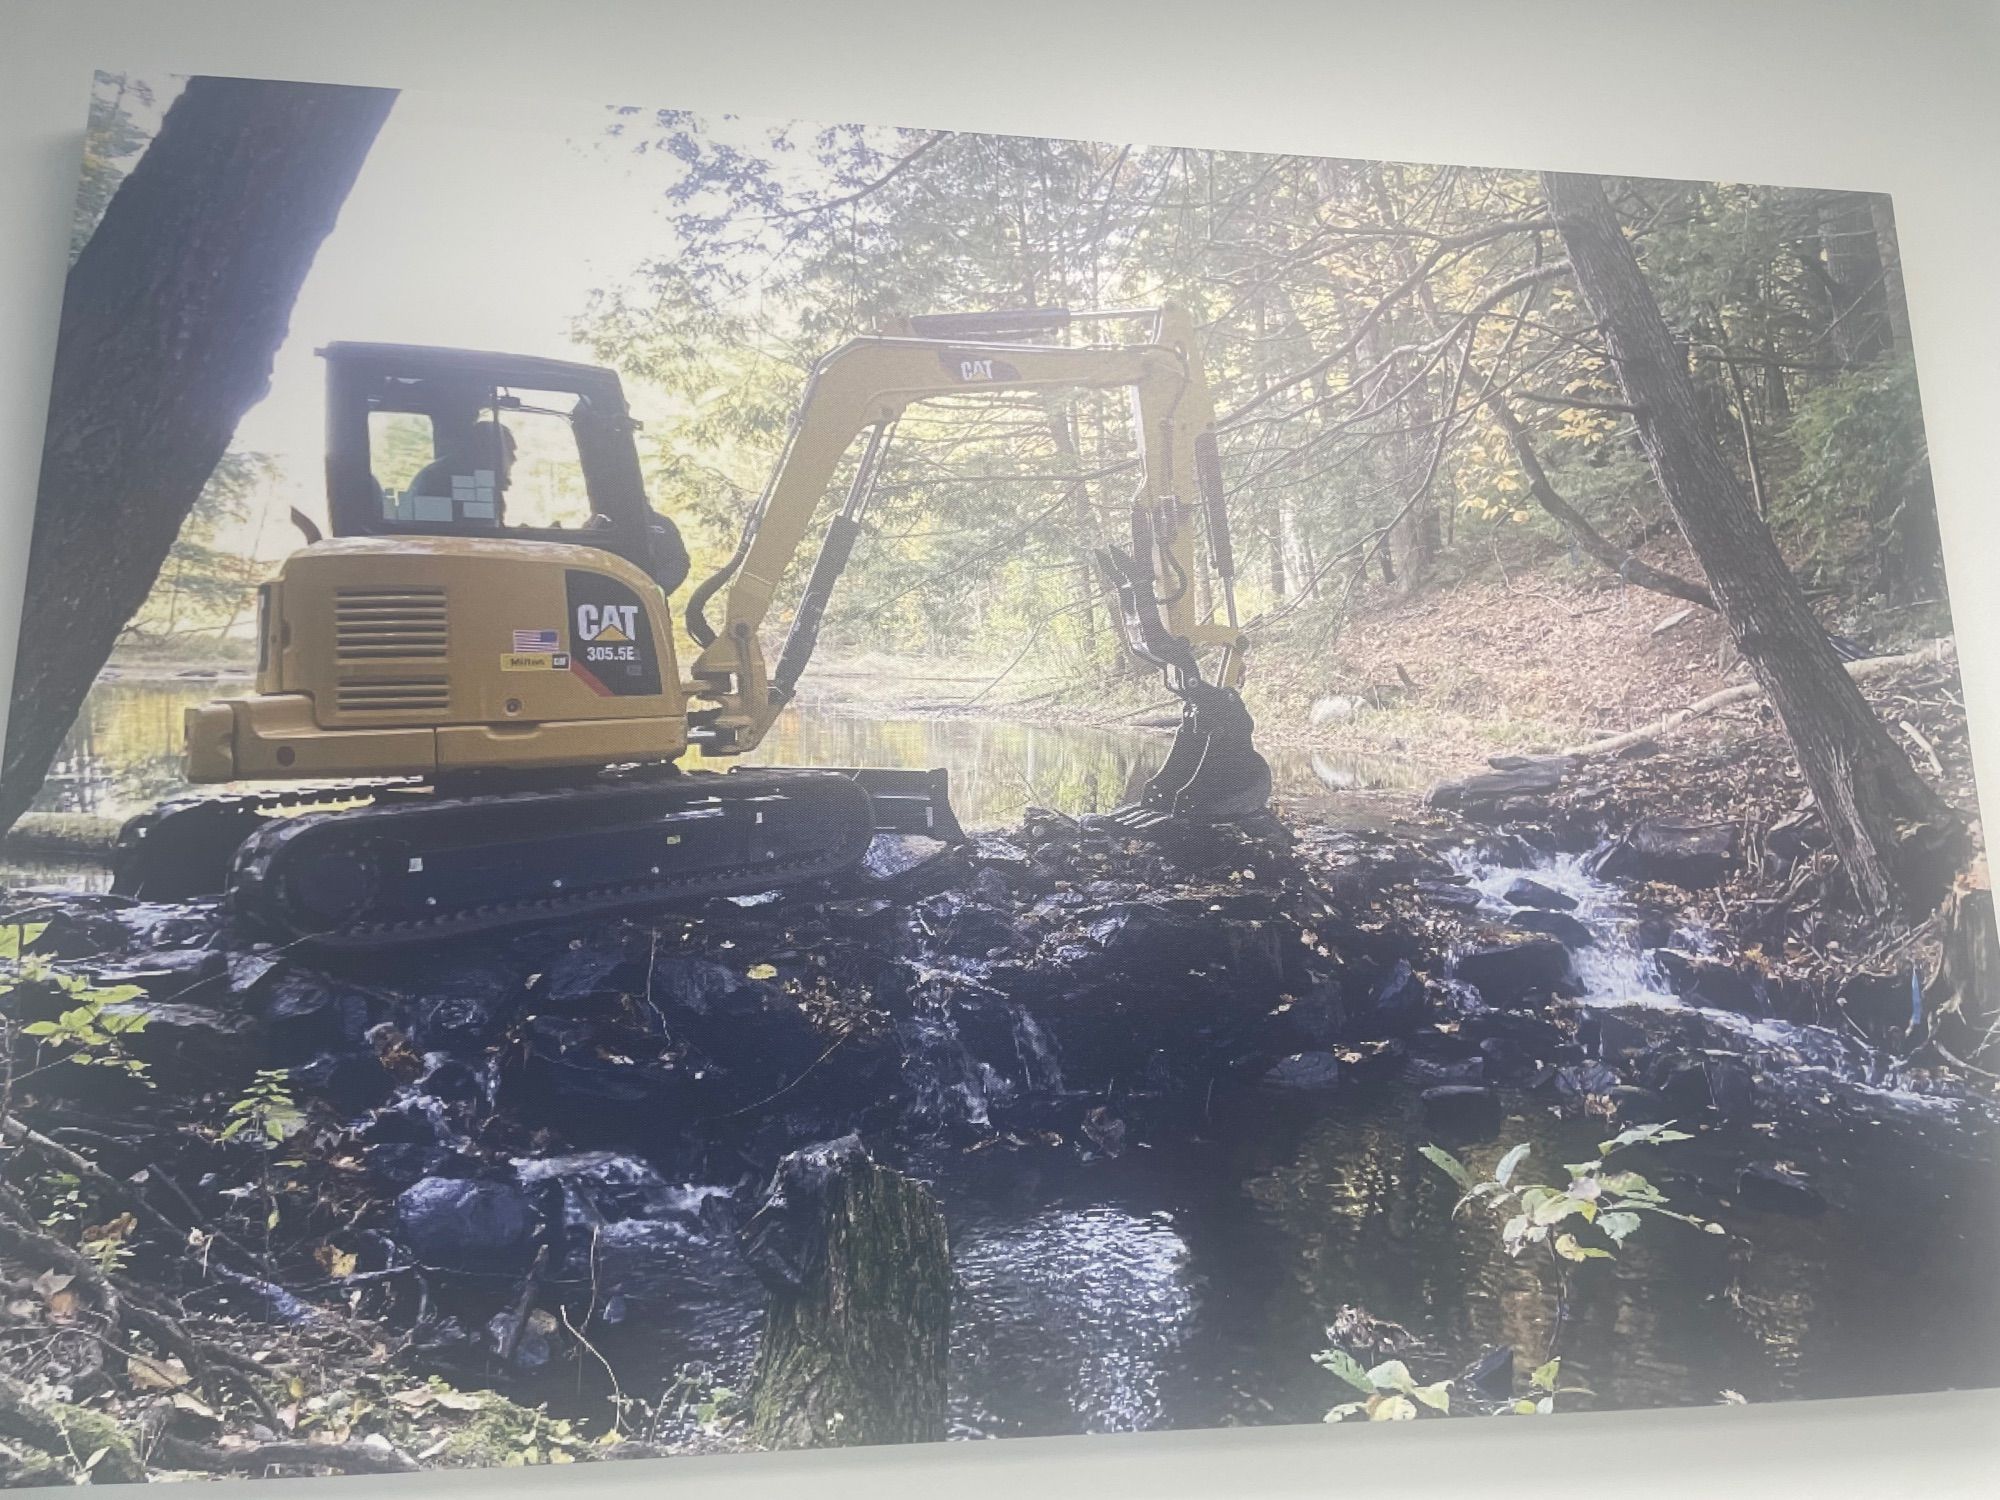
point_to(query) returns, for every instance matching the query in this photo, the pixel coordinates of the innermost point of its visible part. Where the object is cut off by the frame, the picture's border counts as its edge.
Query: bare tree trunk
(1063, 433)
(1861, 327)
(1865, 786)
(171, 317)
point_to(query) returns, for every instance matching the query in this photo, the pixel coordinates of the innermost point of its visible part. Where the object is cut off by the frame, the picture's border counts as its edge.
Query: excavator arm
(863, 388)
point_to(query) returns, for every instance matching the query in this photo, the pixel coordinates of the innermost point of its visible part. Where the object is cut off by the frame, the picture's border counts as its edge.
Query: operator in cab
(490, 448)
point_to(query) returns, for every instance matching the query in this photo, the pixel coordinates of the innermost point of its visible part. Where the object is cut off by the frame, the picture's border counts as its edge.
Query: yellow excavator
(468, 713)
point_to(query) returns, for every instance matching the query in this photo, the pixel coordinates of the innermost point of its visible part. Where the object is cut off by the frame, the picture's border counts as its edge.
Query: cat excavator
(468, 714)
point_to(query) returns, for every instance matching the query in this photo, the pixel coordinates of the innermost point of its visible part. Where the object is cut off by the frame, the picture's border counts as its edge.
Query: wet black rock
(1304, 1070)
(1580, 1081)
(169, 974)
(1465, 1110)
(1399, 1004)
(1463, 1070)
(1522, 1026)
(1526, 892)
(1453, 895)
(911, 865)
(350, 1082)
(974, 929)
(450, 1079)
(1312, 1021)
(606, 966)
(597, 1082)
(76, 932)
(1507, 847)
(1675, 851)
(1731, 1085)
(1505, 973)
(1374, 1062)
(188, 1048)
(1491, 1376)
(1778, 1188)
(398, 1164)
(784, 1239)
(1104, 1130)
(305, 1014)
(1632, 1105)
(1521, 787)
(1712, 982)
(1571, 932)
(1611, 1035)
(462, 1225)
(156, 926)
(1511, 1062)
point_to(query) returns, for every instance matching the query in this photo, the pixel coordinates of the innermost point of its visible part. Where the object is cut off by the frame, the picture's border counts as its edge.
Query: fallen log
(1938, 651)
(855, 1259)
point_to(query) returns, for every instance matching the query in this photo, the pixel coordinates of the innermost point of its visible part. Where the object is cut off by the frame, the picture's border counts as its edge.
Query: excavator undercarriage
(468, 716)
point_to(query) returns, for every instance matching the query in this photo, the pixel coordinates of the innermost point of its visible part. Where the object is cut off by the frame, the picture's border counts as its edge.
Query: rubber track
(258, 883)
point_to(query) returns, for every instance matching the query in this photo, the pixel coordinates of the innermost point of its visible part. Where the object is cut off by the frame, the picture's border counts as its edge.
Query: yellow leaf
(155, 1375)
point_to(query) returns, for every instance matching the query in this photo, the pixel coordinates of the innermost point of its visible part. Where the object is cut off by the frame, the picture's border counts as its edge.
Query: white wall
(1860, 93)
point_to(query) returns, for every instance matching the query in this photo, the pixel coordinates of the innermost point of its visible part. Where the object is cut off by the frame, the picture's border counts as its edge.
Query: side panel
(501, 647)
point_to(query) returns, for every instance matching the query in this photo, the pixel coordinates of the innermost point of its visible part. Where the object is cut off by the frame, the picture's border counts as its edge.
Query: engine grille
(402, 695)
(406, 624)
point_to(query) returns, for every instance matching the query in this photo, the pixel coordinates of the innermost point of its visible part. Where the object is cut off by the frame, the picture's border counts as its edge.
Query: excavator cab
(454, 442)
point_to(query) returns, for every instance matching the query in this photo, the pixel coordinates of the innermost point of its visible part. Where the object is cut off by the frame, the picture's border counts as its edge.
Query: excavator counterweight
(468, 714)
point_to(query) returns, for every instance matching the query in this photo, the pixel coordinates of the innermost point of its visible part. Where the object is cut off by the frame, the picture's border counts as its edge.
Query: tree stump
(855, 1258)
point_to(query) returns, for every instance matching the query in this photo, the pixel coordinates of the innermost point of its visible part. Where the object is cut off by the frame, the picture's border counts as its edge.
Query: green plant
(1587, 1220)
(89, 1024)
(1389, 1393)
(268, 1115)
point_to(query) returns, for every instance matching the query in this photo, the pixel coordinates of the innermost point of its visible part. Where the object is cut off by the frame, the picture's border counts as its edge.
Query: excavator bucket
(1212, 774)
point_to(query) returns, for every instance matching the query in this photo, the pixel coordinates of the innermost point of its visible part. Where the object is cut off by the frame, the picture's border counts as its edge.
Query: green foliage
(1331, 367)
(267, 1116)
(112, 141)
(1389, 1393)
(94, 1021)
(209, 580)
(267, 1113)
(1595, 1205)
(1860, 444)
(1588, 1219)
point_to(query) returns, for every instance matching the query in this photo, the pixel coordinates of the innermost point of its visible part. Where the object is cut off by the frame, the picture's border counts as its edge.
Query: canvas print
(682, 784)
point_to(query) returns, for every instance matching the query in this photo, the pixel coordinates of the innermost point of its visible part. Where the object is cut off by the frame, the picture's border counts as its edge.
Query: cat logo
(611, 639)
(607, 622)
(963, 365)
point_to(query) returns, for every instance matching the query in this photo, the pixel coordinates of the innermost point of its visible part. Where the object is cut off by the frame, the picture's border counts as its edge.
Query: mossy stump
(856, 1260)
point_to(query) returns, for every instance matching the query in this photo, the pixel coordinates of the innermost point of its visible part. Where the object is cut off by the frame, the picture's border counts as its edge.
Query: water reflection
(1085, 1309)
(124, 754)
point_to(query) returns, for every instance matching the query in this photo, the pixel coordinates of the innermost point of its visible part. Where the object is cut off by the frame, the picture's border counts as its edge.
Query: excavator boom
(861, 390)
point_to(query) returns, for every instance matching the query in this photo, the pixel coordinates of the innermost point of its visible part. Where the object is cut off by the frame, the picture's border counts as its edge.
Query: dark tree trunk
(1865, 786)
(171, 317)
(855, 1257)
(1854, 264)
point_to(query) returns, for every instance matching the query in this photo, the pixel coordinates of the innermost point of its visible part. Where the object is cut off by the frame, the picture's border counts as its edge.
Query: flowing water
(1187, 1279)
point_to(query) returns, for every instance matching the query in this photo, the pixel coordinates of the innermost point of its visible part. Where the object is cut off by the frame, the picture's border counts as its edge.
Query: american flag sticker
(534, 640)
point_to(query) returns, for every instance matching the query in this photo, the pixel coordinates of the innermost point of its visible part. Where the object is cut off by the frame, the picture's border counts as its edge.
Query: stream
(124, 754)
(1184, 1278)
